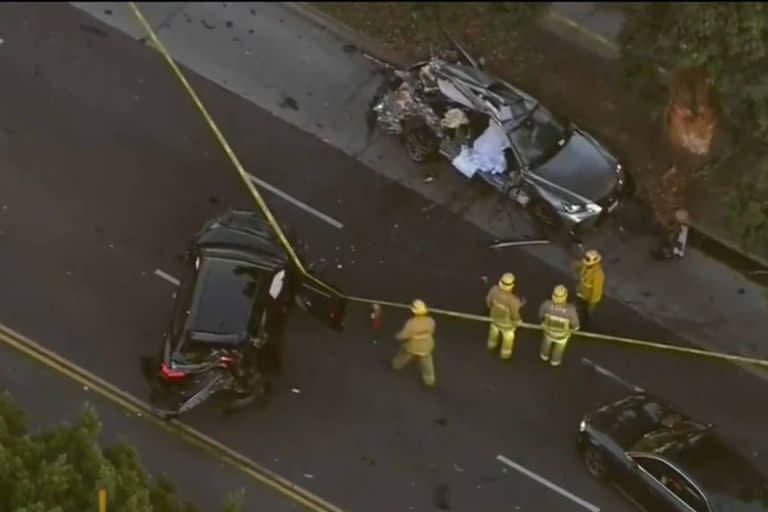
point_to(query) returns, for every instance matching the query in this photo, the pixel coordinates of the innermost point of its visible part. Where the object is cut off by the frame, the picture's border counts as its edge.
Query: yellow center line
(140, 408)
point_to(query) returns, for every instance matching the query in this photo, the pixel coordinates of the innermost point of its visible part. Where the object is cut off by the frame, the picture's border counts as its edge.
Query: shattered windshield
(538, 138)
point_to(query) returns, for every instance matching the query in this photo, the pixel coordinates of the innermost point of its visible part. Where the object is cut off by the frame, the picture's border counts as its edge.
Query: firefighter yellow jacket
(418, 335)
(591, 281)
(509, 313)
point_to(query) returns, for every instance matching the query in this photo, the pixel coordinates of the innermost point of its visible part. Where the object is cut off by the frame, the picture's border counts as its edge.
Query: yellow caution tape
(157, 45)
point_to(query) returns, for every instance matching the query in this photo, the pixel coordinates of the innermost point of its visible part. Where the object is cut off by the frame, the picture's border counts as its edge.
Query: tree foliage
(727, 40)
(62, 470)
(505, 18)
(412, 27)
(748, 206)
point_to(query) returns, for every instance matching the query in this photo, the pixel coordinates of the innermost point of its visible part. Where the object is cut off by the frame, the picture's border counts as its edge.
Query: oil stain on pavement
(441, 497)
(289, 102)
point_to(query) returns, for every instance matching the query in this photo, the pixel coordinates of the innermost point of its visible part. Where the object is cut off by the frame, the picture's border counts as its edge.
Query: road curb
(346, 33)
(578, 35)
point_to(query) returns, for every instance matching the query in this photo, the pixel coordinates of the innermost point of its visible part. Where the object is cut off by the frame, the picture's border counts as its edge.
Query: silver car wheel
(595, 462)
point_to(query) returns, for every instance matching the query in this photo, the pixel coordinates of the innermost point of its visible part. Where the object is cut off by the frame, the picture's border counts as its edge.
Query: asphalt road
(107, 172)
(160, 452)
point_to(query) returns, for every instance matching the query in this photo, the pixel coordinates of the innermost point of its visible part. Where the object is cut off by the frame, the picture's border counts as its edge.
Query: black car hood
(581, 167)
(629, 419)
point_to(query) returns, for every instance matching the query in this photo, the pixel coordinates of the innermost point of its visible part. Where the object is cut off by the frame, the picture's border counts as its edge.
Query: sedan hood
(629, 419)
(581, 167)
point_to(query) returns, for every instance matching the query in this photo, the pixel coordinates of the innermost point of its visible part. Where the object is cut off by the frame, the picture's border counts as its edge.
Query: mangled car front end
(490, 129)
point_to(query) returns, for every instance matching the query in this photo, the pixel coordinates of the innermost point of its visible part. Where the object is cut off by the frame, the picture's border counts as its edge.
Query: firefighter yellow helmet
(418, 307)
(592, 257)
(507, 282)
(560, 294)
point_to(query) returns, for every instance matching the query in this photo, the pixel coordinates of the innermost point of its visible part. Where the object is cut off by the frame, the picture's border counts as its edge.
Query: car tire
(420, 144)
(596, 463)
(544, 212)
(260, 398)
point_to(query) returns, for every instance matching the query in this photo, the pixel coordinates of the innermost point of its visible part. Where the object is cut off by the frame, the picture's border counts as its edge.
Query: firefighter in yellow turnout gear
(504, 309)
(559, 320)
(591, 281)
(418, 340)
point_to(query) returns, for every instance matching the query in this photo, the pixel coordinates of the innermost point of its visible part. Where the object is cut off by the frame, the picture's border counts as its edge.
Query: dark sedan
(666, 461)
(226, 329)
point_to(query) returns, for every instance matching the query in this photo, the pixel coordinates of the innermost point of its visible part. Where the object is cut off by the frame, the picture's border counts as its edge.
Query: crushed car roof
(245, 232)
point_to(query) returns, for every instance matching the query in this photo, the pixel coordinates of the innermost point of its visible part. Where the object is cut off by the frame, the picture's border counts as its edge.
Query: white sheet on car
(486, 153)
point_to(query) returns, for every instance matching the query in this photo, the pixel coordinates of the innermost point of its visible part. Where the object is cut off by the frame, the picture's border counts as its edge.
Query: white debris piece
(309, 475)
(277, 284)
(486, 153)
(454, 118)
(296, 390)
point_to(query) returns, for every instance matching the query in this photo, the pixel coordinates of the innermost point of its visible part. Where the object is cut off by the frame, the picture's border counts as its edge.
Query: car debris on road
(517, 243)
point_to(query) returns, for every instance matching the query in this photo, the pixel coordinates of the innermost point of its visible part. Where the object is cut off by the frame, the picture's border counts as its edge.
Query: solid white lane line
(607, 373)
(320, 215)
(168, 277)
(543, 481)
(630, 498)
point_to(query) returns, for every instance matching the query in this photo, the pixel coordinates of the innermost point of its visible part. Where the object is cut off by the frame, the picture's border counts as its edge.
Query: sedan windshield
(538, 138)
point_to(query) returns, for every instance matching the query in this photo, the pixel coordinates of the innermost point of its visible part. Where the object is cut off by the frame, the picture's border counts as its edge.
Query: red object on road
(374, 320)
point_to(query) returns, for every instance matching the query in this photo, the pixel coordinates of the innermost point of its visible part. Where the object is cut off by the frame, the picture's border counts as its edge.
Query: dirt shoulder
(572, 82)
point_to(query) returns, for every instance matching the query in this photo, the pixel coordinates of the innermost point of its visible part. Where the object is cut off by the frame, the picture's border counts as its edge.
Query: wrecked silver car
(489, 129)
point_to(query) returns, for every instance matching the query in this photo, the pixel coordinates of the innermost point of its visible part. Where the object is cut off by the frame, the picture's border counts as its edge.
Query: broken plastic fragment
(309, 475)
(296, 390)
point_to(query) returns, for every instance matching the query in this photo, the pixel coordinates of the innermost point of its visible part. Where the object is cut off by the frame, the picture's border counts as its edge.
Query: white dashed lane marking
(543, 481)
(320, 215)
(167, 277)
(607, 373)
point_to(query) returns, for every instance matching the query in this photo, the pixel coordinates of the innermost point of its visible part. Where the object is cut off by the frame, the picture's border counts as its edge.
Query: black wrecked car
(666, 461)
(491, 130)
(225, 334)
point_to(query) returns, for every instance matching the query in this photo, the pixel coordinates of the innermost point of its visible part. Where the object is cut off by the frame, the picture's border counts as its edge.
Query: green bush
(410, 25)
(502, 18)
(748, 206)
(62, 470)
(727, 39)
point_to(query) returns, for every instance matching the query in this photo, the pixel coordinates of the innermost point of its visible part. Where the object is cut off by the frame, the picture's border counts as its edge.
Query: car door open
(321, 303)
